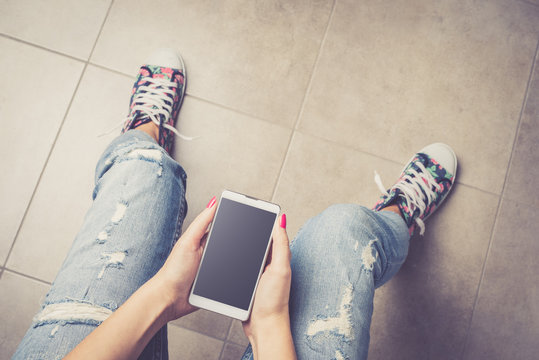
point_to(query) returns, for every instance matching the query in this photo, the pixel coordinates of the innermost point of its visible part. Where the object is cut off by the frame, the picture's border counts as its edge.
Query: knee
(344, 233)
(339, 225)
(342, 217)
(354, 232)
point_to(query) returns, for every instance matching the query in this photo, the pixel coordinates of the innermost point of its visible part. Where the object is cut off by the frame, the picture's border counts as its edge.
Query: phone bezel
(218, 307)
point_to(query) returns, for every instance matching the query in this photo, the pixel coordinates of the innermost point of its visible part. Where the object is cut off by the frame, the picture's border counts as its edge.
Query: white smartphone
(235, 255)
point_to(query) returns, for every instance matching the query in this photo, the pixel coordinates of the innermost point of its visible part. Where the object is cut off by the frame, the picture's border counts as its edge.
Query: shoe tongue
(155, 71)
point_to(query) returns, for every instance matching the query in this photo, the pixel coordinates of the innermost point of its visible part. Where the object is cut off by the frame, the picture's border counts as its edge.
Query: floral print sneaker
(157, 96)
(424, 183)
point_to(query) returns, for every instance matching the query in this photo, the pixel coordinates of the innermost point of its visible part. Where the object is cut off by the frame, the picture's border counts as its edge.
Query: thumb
(197, 229)
(281, 248)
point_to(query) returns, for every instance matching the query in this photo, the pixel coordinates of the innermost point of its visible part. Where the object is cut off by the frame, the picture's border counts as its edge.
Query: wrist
(164, 301)
(267, 326)
(271, 338)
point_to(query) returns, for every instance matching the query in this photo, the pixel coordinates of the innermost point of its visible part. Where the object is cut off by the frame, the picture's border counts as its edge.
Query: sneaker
(423, 185)
(157, 95)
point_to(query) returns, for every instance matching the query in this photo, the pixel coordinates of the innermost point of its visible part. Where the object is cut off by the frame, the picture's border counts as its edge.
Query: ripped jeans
(338, 258)
(136, 216)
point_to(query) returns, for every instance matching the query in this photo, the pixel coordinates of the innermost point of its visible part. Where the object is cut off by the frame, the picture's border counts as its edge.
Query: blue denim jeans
(338, 258)
(136, 216)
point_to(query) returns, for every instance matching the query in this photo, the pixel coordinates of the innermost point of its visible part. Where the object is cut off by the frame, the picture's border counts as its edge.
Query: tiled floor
(296, 102)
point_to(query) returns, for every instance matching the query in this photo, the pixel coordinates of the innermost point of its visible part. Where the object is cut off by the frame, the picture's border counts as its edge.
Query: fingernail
(283, 221)
(211, 203)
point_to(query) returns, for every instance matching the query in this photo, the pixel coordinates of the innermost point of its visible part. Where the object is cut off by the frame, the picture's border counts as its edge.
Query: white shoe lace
(414, 190)
(153, 102)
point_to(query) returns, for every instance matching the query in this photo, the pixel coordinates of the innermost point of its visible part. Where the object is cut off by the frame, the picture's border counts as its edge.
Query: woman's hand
(268, 328)
(178, 273)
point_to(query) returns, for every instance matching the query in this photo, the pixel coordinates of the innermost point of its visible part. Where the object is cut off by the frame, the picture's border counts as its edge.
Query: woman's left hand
(176, 276)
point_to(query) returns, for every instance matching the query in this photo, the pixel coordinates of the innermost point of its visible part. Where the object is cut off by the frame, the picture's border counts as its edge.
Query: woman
(126, 276)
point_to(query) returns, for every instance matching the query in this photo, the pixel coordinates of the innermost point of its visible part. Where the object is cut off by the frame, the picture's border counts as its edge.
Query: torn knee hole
(71, 312)
(152, 155)
(146, 154)
(339, 325)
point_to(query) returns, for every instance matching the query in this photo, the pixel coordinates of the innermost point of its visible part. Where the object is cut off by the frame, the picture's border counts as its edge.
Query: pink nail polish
(212, 202)
(283, 221)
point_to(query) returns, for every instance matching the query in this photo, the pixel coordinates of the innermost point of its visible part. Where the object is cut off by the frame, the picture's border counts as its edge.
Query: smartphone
(235, 255)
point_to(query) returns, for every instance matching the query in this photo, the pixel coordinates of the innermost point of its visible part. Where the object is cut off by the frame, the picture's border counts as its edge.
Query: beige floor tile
(506, 318)
(251, 56)
(232, 352)
(523, 179)
(318, 173)
(187, 344)
(64, 193)
(36, 89)
(233, 152)
(393, 75)
(17, 309)
(237, 335)
(425, 310)
(206, 322)
(62, 25)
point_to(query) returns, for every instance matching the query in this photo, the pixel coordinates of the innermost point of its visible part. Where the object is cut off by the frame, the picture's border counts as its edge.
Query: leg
(342, 255)
(138, 209)
(338, 259)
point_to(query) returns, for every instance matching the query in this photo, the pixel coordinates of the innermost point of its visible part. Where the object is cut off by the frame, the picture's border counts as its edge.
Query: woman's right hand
(175, 278)
(269, 324)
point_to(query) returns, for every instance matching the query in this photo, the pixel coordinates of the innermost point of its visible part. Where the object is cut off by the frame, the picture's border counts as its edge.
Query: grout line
(100, 31)
(477, 189)
(315, 66)
(222, 350)
(226, 339)
(111, 70)
(304, 100)
(207, 101)
(41, 47)
(195, 331)
(377, 156)
(229, 330)
(348, 147)
(44, 166)
(27, 276)
(529, 2)
(243, 113)
(500, 201)
(51, 149)
(283, 163)
(235, 343)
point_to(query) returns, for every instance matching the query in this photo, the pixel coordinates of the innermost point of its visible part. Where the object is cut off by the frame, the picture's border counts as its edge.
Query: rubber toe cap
(165, 57)
(444, 155)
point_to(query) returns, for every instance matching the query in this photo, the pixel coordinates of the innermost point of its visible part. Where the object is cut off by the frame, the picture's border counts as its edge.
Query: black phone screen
(234, 253)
